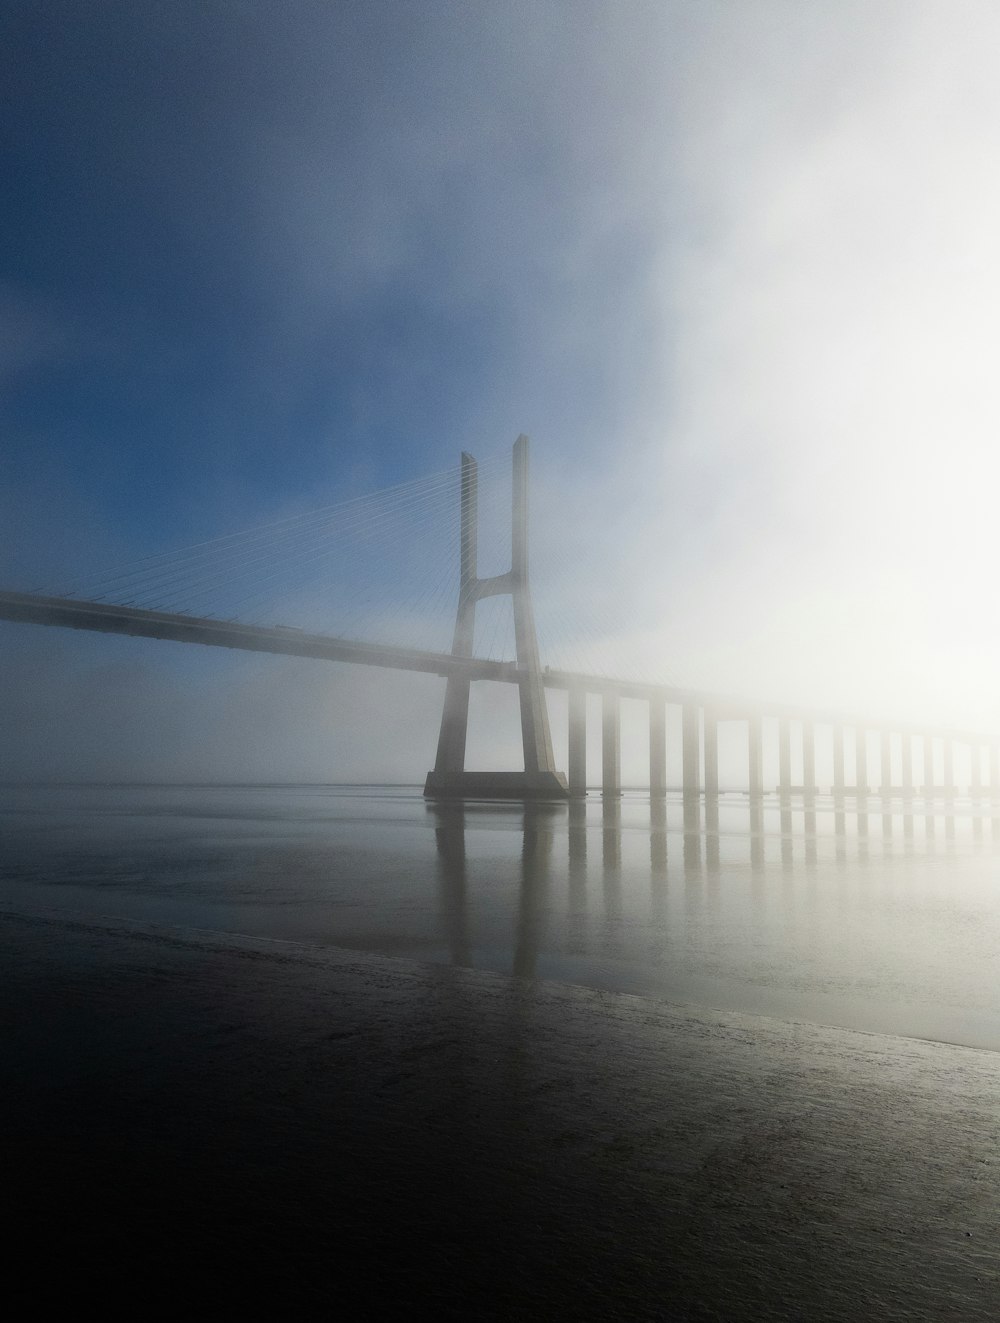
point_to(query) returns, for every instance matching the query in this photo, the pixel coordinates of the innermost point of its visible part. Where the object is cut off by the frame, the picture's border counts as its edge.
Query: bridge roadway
(285, 640)
(110, 618)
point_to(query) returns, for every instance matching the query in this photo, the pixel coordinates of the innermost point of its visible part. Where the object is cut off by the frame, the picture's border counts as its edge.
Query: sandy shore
(194, 1122)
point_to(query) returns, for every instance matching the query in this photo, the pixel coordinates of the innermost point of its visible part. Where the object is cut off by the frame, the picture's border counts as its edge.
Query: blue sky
(730, 265)
(304, 242)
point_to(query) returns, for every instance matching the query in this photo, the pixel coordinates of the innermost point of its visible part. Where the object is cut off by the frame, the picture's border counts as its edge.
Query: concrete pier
(784, 757)
(906, 749)
(861, 760)
(838, 760)
(994, 772)
(710, 736)
(809, 759)
(611, 744)
(690, 759)
(755, 754)
(929, 770)
(885, 762)
(657, 747)
(577, 756)
(976, 770)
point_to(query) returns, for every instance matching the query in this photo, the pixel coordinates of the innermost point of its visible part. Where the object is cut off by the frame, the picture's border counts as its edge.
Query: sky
(731, 265)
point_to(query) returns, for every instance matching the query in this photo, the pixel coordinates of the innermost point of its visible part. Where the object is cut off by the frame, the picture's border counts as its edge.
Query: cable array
(383, 568)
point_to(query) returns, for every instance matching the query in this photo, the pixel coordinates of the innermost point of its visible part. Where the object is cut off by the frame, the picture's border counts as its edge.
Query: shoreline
(217, 941)
(491, 1147)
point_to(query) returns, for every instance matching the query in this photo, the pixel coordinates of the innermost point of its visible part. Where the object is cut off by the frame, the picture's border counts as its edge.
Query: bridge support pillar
(755, 751)
(784, 757)
(690, 760)
(838, 761)
(949, 767)
(809, 760)
(449, 779)
(861, 760)
(710, 735)
(929, 770)
(611, 744)
(657, 747)
(906, 749)
(885, 763)
(994, 772)
(577, 742)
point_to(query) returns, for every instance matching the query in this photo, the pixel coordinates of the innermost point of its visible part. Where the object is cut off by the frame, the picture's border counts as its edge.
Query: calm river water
(886, 921)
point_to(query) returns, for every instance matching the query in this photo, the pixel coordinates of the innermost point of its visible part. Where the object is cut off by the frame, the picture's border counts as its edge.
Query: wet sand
(201, 1122)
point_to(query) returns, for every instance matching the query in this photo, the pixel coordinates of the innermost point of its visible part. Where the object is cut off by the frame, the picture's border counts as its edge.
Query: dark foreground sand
(195, 1124)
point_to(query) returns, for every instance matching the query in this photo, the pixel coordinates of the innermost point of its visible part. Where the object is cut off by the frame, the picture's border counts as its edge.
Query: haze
(732, 267)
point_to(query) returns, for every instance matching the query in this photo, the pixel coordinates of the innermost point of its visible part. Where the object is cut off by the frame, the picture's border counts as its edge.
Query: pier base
(496, 785)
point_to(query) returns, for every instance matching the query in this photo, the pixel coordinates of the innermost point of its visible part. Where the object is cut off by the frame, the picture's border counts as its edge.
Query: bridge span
(702, 713)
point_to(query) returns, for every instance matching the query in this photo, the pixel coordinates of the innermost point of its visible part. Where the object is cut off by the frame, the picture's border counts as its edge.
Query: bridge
(702, 713)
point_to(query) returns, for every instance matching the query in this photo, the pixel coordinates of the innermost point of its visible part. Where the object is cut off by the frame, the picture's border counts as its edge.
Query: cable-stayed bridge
(424, 539)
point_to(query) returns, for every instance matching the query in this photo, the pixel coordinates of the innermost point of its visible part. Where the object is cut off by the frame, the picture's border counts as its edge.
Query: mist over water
(885, 920)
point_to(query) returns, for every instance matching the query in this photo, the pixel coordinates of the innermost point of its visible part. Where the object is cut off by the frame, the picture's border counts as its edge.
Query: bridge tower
(539, 780)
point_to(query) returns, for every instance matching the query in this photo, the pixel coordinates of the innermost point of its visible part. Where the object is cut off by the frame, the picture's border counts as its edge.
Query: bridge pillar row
(577, 758)
(611, 744)
(657, 746)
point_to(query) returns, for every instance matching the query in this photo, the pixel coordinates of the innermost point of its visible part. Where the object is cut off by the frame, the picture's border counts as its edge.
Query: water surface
(885, 920)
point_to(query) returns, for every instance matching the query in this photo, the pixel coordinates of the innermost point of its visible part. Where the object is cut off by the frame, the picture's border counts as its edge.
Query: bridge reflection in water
(875, 913)
(856, 911)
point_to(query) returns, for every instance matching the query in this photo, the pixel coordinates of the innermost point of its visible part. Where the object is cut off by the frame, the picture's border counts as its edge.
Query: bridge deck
(110, 618)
